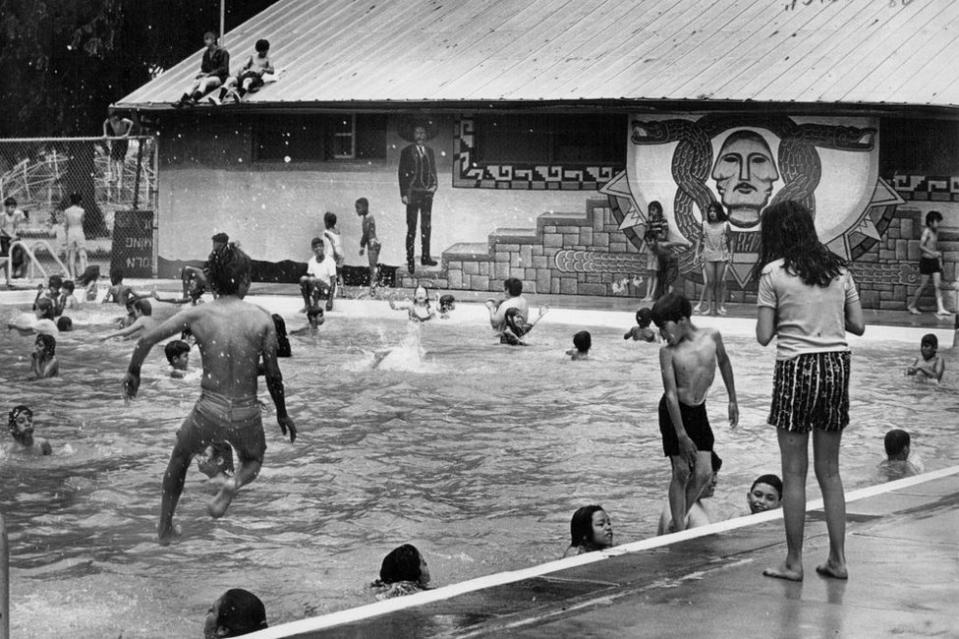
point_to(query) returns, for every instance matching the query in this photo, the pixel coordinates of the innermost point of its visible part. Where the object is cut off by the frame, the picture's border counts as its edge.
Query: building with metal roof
(553, 124)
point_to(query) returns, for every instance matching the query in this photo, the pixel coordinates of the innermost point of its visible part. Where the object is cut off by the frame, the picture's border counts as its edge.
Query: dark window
(918, 147)
(325, 137)
(551, 139)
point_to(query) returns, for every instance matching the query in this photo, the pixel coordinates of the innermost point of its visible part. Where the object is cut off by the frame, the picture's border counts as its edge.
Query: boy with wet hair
(142, 322)
(929, 365)
(177, 354)
(688, 361)
(447, 304)
(642, 332)
(320, 279)
(237, 612)
(20, 423)
(899, 462)
(766, 493)
(235, 339)
(582, 341)
(369, 241)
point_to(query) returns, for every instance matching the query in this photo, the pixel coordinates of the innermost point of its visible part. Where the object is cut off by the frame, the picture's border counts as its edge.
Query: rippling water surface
(476, 453)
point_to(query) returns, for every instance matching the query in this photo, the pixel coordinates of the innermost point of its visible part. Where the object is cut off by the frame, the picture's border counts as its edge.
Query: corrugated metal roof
(847, 51)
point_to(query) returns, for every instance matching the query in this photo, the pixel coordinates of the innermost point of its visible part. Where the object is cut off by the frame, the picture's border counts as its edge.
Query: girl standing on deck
(807, 299)
(714, 251)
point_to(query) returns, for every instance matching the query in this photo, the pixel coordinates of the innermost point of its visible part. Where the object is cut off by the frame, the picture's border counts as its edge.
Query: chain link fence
(39, 176)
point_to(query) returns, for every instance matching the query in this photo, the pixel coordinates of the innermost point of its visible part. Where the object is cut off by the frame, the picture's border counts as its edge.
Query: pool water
(476, 453)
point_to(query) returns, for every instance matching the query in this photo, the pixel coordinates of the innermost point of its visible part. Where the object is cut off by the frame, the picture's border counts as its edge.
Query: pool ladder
(7, 263)
(4, 582)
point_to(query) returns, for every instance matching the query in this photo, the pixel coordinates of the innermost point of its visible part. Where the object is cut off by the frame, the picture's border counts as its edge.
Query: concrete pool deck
(901, 545)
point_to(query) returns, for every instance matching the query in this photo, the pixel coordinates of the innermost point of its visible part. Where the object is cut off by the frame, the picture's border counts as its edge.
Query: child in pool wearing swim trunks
(582, 341)
(929, 365)
(688, 361)
(178, 355)
(642, 332)
(419, 309)
(517, 327)
(43, 360)
(930, 264)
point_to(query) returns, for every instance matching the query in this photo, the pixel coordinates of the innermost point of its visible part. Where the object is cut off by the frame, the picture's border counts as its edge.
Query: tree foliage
(63, 62)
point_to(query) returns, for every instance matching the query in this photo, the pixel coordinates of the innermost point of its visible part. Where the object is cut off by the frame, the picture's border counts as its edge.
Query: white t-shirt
(10, 224)
(325, 270)
(809, 319)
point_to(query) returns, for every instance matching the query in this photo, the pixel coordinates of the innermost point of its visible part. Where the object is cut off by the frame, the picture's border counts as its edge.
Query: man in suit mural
(417, 176)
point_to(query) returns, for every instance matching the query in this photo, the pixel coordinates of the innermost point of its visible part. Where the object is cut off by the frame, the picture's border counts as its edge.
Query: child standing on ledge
(369, 242)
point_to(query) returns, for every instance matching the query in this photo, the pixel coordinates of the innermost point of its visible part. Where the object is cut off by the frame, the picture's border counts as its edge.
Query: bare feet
(217, 507)
(167, 533)
(783, 572)
(831, 571)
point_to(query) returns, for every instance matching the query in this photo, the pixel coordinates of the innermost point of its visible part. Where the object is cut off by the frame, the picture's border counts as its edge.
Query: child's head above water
(583, 341)
(315, 317)
(237, 612)
(141, 307)
(928, 346)
(55, 282)
(644, 317)
(64, 324)
(45, 308)
(20, 423)
(447, 303)
(591, 528)
(421, 294)
(766, 493)
(46, 345)
(68, 287)
(177, 354)
(404, 563)
(897, 444)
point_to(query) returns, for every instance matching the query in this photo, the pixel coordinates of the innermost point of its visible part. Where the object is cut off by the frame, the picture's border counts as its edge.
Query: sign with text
(133, 243)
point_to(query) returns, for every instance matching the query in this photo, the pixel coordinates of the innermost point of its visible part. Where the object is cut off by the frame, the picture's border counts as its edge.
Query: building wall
(573, 230)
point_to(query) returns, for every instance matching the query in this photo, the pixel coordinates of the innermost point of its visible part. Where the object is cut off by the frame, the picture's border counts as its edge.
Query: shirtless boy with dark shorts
(234, 337)
(688, 361)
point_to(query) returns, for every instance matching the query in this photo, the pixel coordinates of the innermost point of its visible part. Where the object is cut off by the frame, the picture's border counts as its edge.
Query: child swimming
(929, 365)
(582, 341)
(642, 332)
(177, 354)
(43, 360)
(418, 309)
(143, 321)
(403, 572)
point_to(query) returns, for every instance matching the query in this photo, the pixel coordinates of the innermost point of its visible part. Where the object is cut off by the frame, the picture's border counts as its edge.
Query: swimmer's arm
(123, 332)
(911, 370)
(274, 382)
(726, 370)
(766, 324)
(939, 368)
(687, 449)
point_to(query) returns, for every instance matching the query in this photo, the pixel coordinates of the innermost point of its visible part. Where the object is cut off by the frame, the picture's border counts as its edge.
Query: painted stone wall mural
(748, 162)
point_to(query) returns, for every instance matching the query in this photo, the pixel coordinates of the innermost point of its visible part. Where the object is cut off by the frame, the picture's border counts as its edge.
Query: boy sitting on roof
(250, 76)
(214, 70)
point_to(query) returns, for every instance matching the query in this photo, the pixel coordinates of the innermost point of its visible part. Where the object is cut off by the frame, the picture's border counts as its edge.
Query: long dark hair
(581, 526)
(788, 232)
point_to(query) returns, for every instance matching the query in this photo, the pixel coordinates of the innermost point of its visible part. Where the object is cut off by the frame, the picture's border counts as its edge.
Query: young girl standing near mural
(714, 251)
(930, 263)
(808, 300)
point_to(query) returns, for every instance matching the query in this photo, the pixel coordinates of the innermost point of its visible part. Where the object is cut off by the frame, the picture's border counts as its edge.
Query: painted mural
(748, 162)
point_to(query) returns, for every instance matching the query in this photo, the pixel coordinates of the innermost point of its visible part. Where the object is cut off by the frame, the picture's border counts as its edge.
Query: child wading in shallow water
(582, 342)
(929, 365)
(419, 309)
(688, 361)
(43, 361)
(642, 332)
(807, 300)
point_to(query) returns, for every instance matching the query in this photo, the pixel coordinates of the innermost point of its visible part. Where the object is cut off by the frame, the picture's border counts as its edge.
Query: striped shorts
(811, 391)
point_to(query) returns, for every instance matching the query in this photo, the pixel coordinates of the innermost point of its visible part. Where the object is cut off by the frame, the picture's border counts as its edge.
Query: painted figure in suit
(417, 176)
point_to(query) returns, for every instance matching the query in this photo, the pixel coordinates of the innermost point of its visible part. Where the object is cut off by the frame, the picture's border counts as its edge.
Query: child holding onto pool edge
(590, 529)
(688, 361)
(43, 360)
(808, 300)
(642, 332)
(929, 365)
(582, 342)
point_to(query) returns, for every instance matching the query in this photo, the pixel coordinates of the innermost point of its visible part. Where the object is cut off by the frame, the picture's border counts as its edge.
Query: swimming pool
(476, 453)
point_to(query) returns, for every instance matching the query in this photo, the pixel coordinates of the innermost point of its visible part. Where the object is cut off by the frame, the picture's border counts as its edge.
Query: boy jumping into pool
(688, 361)
(234, 338)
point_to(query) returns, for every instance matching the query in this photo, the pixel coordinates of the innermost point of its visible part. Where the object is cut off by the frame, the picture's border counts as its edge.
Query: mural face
(744, 174)
(747, 162)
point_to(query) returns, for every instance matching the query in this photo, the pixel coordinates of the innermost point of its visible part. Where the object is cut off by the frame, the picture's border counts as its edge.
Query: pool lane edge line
(369, 611)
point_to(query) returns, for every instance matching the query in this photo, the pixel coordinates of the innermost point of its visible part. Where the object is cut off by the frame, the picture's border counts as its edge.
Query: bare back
(694, 365)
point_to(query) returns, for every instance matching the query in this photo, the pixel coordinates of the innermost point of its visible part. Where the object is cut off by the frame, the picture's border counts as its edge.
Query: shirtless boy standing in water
(688, 361)
(233, 337)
